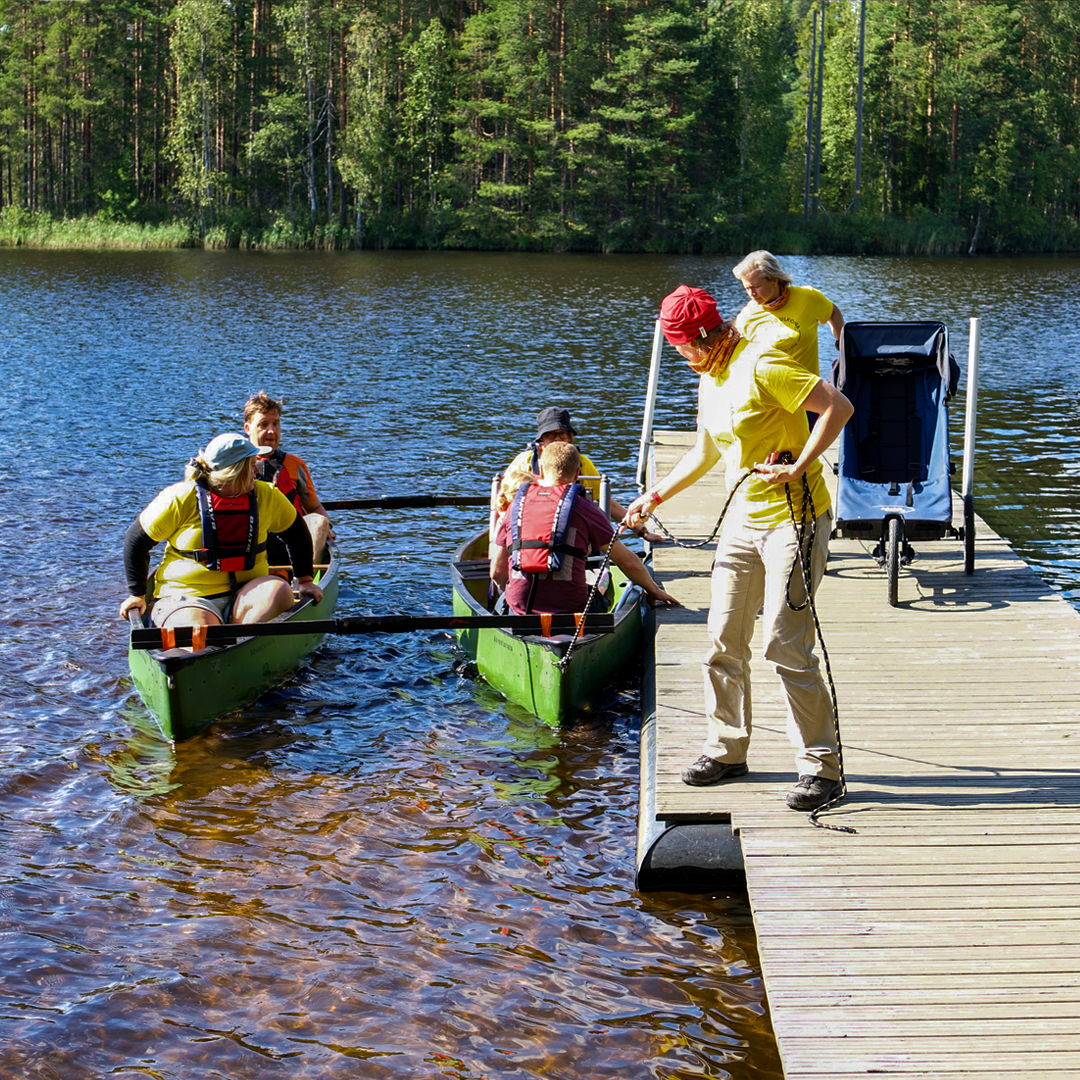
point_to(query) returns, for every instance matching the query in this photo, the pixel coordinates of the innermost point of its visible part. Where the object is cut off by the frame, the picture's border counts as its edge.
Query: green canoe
(186, 691)
(525, 668)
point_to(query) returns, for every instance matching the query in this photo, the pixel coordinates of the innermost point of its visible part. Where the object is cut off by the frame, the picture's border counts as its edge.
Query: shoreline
(849, 235)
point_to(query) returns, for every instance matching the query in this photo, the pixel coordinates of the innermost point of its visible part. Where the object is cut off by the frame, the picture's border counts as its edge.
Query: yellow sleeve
(276, 513)
(169, 511)
(787, 382)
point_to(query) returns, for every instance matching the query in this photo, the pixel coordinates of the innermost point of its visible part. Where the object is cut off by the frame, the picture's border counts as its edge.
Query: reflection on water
(381, 869)
(448, 893)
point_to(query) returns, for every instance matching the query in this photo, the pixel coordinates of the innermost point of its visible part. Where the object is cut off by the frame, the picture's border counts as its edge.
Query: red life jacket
(538, 537)
(272, 470)
(230, 531)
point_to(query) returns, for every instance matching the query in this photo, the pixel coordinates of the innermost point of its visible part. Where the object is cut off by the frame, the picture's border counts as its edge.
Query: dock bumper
(681, 854)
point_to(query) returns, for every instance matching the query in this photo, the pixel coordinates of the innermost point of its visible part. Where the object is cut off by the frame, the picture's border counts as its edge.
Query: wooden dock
(943, 938)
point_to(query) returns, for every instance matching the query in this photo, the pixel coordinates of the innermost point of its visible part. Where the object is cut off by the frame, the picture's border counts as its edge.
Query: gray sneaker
(707, 770)
(813, 791)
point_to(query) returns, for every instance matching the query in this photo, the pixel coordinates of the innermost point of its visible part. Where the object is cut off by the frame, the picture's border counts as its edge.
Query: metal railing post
(968, 497)
(969, 411)
(650, 406)
(605, 494)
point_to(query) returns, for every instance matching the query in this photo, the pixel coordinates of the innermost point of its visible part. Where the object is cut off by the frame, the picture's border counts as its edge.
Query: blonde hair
(764, 263)
(511, 482)
(216, 479)
(560, 461)
(706, 341)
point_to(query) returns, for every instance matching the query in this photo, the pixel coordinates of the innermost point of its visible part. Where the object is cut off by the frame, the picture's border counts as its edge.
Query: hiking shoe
(813, 791)
(707, 770)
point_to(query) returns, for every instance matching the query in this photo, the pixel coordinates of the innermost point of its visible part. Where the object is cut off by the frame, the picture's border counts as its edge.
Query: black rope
(719, 521)
(803, 556)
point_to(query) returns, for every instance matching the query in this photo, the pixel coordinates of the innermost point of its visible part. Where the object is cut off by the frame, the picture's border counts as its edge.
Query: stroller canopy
(869, 346)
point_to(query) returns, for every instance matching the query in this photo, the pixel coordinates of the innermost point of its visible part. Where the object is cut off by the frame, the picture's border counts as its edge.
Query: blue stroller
(893, 476)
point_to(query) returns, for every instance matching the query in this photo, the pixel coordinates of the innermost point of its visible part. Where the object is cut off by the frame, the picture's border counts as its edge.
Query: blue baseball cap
(225, 450)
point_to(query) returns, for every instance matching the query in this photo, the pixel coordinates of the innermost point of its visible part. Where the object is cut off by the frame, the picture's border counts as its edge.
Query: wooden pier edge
(942, 938)
(677, 854)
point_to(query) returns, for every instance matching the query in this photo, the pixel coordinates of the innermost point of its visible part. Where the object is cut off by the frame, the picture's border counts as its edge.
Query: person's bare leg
(261, 600)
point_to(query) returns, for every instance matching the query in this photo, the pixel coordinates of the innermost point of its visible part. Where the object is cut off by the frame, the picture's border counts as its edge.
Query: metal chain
(561, 664)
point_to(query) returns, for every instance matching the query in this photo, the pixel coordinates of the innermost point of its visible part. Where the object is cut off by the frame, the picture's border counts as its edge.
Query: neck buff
(779, 302)
(719, 355)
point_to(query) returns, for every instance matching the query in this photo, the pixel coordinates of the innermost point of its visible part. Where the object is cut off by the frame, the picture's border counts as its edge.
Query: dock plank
(944, 936)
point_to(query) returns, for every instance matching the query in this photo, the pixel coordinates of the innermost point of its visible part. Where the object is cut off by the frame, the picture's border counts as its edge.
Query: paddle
(407, 502)
(599, 623)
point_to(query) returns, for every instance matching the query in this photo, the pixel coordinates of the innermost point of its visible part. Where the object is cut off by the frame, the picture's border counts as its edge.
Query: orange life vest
(272, 470)
(538, 538)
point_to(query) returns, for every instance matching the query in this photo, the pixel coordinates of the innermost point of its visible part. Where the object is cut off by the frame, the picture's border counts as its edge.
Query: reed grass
(21, 228)
(923, 233)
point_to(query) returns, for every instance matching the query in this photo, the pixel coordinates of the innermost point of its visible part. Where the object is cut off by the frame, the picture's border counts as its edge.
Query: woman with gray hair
(215, 523)
(773, 297)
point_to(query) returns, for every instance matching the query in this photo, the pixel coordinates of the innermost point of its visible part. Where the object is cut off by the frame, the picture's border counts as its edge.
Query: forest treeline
(593, 125)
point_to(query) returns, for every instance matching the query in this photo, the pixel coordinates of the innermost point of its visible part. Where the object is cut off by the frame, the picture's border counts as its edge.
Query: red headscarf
(688, 313)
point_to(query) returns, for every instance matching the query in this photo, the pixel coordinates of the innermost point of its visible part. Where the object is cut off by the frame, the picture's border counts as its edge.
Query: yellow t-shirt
(589, 478)
(755, 409)
(797, 321)
(173, 515)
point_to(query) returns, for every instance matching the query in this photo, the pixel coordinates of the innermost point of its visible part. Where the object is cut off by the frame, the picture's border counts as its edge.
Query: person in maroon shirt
(564, 589)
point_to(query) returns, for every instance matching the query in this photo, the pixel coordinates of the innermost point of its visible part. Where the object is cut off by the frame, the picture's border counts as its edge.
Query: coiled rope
(803, 553)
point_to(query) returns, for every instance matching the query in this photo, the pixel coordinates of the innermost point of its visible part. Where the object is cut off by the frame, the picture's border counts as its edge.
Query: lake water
(382, 870)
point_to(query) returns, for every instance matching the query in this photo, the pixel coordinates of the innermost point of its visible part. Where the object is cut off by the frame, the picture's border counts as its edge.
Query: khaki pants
(750, 574)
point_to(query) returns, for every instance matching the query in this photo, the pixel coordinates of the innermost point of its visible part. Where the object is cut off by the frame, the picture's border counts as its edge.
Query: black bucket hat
(553, 419)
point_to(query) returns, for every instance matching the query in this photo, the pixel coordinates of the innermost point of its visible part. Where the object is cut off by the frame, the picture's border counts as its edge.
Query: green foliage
(652, 125)
(370, 111)
(198, 47)
(25, 228)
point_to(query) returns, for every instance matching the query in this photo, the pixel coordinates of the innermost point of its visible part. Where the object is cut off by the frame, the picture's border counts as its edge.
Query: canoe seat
(473, 569)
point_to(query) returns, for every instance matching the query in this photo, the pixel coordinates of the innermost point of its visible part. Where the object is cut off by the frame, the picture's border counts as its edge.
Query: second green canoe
(525, 668)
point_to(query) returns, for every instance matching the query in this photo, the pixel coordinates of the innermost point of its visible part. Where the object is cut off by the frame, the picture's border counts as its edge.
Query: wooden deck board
(944, 937)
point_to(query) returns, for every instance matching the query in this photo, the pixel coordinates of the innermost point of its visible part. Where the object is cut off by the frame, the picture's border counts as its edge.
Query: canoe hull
(187, 692)
(524, 668)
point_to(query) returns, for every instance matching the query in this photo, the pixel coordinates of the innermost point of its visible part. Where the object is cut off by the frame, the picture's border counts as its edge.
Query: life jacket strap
(205, 556)
(563, 549)
(231, 556)
(272, 470)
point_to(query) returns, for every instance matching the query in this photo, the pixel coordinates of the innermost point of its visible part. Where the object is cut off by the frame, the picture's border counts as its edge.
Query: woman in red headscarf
(753, 400)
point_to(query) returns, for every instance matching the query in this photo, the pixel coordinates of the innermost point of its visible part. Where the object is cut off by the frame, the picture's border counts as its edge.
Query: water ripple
(381, 869)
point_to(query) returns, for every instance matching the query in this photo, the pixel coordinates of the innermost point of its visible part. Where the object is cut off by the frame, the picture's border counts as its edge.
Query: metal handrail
(650, 407)
(972, 394)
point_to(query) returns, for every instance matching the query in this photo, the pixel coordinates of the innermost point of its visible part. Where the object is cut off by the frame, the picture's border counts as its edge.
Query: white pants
(750, 574)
